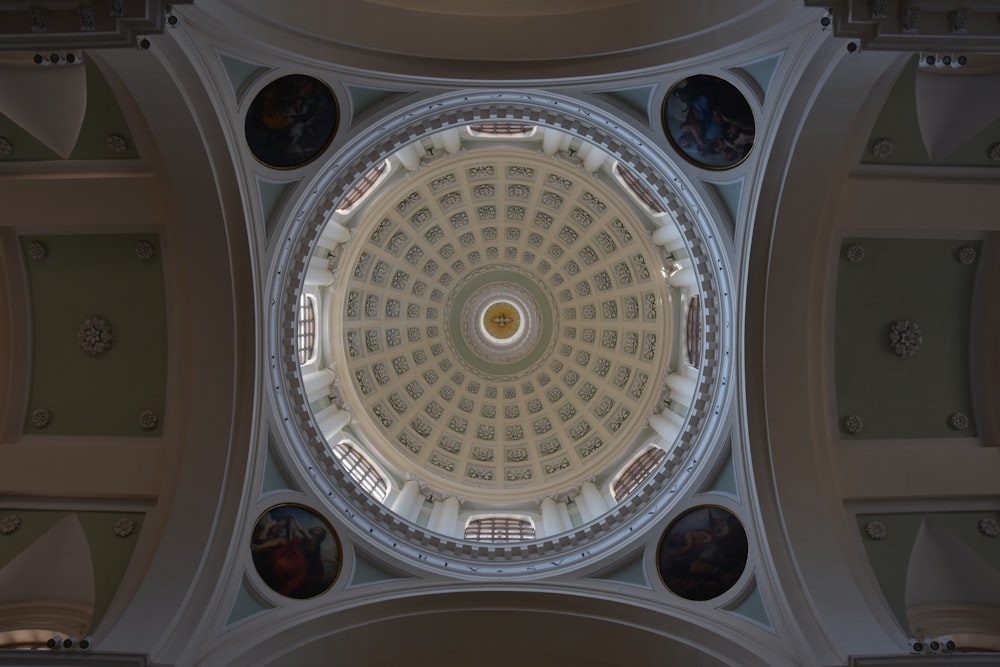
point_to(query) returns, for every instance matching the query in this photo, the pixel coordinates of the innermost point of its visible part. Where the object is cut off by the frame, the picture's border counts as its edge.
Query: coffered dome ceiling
(505, 324)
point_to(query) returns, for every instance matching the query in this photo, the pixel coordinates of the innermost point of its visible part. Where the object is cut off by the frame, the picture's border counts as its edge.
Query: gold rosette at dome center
(501, 320)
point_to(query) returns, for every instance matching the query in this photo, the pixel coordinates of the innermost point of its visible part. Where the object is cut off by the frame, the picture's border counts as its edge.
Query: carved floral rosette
(94, 336)
(989, 527)
(148, 420)
(994, 152)
(144, 250)
(876, 530)
(882, 148)
(40, 418)
(9, 524)
(124, 527)
(959, 421)
(37, 250)
(853, 424)
(6, 146)
(117, 143)
(967, 254)
(855, 253)
(905, 338)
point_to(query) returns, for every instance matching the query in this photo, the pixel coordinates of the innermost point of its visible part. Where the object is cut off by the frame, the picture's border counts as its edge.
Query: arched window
(362, 187)
(694, 331)
(638, 188)
(502, 128)
(361, 470)
(499, 529)
(305, 329)
(637, 472)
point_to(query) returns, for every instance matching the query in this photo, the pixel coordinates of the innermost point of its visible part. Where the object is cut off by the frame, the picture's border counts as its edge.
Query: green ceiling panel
(752, 608)
(363, 98)
(246, 604)
(975, 152)
(109, 552)
(275, 477)
(272, 196)
(899, 121)
(890, 557)
(81, 277)
(34, 524)
(965, 527)
(239, 71)
(632, 572)
(103, 118)
(728, 195)
(26, 147)
(636, 99)
(369, 571)
(904, 397)
(762, 71)
(724, 480)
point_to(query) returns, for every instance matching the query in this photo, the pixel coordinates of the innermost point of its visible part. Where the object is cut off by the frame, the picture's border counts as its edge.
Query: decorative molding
(6, 146)
(959, 21)
(148, 420)
(958, 421)
(905, 338)
(117, 143)
(853, 424)
(124, 527)
(88, 19)
(37, 18)
(40, 418)
(967, 254)
(144, 250)
(37, 250)
(855, 253)
(94, 336)
(56, 24)
(882, 148)
(898, 25)
(12, 522)
(989, 527)
(876, 531)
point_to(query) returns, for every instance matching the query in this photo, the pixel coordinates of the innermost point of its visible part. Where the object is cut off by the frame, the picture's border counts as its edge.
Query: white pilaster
(331, 420)
(317, 383)
(409, 501)
(318, 272)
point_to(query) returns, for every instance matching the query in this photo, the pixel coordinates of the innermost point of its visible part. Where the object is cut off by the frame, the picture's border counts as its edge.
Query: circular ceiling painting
(504, 325)
(709, 121)
(295, 551)
(291, 121)
(703, 553)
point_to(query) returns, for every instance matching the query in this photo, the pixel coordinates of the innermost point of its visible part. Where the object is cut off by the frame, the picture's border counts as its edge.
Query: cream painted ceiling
(510, 423)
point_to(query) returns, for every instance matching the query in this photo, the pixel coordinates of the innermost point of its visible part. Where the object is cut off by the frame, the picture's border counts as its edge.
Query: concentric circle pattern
(503, 324)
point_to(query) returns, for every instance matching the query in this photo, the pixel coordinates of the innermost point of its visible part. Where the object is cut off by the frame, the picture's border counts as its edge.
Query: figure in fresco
(292, 559)
(703, 554)
(291, 121)
(710, 121)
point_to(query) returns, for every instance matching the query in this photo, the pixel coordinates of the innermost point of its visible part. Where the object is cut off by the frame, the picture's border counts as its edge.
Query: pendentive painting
(703, 553)
(291, 121)
(295, 551)
(709, 121)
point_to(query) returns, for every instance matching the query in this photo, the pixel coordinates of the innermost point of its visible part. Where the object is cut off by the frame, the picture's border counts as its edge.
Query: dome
(509, 318)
